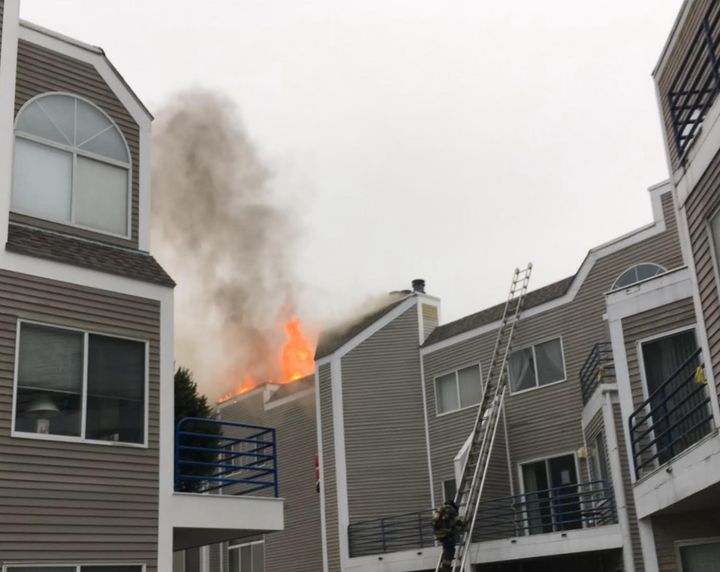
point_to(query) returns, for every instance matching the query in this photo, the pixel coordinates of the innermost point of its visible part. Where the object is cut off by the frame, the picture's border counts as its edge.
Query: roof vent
(418, 285)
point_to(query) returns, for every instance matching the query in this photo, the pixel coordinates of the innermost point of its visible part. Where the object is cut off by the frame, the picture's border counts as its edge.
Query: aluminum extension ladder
(476, 464)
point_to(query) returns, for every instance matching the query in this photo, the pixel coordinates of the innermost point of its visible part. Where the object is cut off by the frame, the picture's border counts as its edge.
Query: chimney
(418, 285)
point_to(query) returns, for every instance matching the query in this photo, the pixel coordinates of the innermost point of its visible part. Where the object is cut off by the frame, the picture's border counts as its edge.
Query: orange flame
(296, 360)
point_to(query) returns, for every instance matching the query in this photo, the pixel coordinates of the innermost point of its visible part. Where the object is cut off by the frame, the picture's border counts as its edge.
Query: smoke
(221, 232)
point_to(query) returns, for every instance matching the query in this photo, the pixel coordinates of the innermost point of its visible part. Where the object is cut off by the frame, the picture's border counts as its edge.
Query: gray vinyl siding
(40, 70)
(678, 527)
(628, 489)
(75, 501)
(449, 431)
(386, 452)
(298, 546)
(653, 322)
(700, 205)
(545, 421)
(672, 67)
(327, 469)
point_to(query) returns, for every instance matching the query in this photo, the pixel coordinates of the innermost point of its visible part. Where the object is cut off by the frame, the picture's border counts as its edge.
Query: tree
(189, 402)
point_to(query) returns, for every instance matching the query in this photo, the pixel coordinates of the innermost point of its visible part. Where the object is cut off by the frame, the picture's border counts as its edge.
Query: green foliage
(190, 403)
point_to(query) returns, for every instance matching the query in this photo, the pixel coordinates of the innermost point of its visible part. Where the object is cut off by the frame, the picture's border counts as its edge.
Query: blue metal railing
(584, 505)
(224, 457)
(676, 415)
(598, 368)
(697, 83)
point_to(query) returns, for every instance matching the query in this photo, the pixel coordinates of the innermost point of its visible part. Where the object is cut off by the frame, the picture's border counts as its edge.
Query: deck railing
(214, 456)
(697, 83)
(676, 415)
(598, 368)
(584, 505)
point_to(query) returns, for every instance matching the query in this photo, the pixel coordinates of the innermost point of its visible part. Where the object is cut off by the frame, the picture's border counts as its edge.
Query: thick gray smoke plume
(219, 231)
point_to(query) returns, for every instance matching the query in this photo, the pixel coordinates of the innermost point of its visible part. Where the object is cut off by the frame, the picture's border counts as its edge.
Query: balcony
(598, 368)
(697, 83)
(572, 507)
(676, 416)
(226, 482)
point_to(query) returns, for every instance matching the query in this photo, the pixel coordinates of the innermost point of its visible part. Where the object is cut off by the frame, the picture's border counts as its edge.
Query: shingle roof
(494, 313)
(88, 254)
(334, 338)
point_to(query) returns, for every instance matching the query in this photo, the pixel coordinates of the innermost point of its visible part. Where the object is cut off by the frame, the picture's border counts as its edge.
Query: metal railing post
(177, 456)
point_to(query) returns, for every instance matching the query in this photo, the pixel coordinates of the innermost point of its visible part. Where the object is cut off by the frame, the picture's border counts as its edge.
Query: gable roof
(494, 313)
(333, 339)
(293, 387)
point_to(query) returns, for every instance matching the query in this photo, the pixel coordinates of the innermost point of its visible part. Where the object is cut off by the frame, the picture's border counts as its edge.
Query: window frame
(614, 288)
(83, 398)
(252, 543)
(74, 151)
(455, 371)
(714, 254)
(537, 380)
(78, 567)
(678, 544)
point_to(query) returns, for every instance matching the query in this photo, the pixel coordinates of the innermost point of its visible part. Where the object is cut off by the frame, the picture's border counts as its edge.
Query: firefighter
(447, 526)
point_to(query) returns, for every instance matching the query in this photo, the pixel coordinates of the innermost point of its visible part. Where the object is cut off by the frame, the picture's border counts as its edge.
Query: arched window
(637, 274)
(72, 165)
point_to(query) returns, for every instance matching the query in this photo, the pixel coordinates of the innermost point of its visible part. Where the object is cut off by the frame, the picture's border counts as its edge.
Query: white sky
(449, 140)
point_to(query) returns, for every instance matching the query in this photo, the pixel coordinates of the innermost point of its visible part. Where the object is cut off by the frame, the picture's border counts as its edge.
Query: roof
(50, 245)
(293, 387)
(333, 339)
(494, 313)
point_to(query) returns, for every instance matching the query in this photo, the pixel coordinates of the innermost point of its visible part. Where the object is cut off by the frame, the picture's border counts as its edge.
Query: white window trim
(546, 458)
(692, 542)
(613, 287)
(80, 439)
(537, 381)
(244, 544)
(457, 387)
(75, 152)
(713, 251)
(8, 566)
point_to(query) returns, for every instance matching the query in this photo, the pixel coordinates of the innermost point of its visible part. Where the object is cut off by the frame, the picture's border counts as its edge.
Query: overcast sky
(451, 140)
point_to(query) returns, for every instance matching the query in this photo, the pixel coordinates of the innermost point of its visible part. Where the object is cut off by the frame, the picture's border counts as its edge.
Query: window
(700, 556)
(550, 494)
(449, 489)
(78, 384)
(536, 365)
(459, 389)
(637, 274)
(77, 568)
(249, 557)
(72, 165)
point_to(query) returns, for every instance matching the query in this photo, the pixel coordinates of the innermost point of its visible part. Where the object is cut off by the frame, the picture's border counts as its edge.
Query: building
(86, 323)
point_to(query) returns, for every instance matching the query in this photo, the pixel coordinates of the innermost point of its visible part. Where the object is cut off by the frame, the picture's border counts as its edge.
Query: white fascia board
(692, 471)
(595, 403)
(403, 561)
(658, 291)
(8, 67)
(95, 57)
(289, 399)
(606, 249)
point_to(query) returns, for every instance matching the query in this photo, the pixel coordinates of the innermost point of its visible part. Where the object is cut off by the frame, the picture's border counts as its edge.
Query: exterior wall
(448, 432)
(298, 546)
(647, 324)
(75, 501)
(546, 421)
(628, 489)
(328, 481)
(40, 70)
(674, 60)
(702, 202)
(671, 528)
(386, 451)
